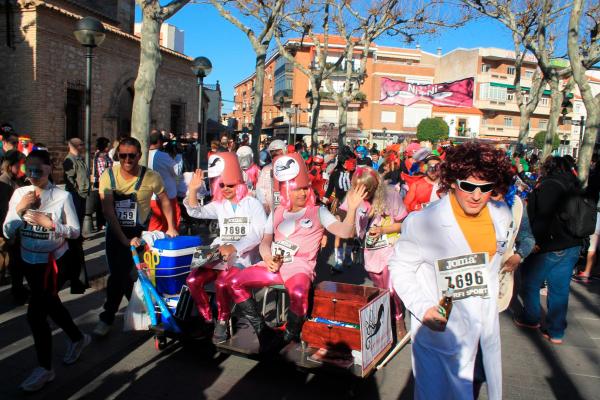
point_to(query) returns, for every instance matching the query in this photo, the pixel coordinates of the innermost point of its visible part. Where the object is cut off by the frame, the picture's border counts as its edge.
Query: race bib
(37, 232)
(234, 229)
(376, 242)
(468, 273)
(126, 211)
(285, 248)
(276, 198)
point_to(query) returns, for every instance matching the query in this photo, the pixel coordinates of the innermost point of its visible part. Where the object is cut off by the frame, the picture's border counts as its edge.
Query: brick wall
(47, 59)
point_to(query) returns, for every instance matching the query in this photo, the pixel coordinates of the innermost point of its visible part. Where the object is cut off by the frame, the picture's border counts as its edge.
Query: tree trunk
(555, 108)
(524, 127)
(314, 121)
(257, 103)
(145, 83)
(342, 122)
(590, 134)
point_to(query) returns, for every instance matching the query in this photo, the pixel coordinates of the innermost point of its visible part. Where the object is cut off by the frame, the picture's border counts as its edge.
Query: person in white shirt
(166, 167)
(264, 188)
(44, 217)
(241, 222)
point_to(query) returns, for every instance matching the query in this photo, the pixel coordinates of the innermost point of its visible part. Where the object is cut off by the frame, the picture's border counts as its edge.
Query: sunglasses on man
(222, 186)
(131, 156)
(470, 187)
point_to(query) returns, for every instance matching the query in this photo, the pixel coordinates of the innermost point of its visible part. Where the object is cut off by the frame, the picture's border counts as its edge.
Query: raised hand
(197, 180)
(355, 197)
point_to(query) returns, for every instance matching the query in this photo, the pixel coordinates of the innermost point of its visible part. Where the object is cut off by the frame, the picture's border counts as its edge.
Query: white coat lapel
(501, 217)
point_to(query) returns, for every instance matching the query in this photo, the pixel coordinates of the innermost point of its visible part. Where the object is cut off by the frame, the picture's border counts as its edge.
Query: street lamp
(90, 33)
(201, 67)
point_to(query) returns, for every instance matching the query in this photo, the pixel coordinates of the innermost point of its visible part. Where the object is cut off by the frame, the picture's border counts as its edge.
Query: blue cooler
(175, 256)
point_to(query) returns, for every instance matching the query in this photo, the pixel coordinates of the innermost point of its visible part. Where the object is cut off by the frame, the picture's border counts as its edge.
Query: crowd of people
(424, 220)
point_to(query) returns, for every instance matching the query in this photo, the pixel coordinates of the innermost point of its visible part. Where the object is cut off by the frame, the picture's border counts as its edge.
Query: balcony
(510, 106)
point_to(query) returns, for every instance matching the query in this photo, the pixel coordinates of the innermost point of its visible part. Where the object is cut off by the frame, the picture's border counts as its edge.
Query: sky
(207, 34)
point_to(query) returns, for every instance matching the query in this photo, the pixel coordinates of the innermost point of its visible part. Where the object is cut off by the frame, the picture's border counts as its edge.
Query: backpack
(578, 213)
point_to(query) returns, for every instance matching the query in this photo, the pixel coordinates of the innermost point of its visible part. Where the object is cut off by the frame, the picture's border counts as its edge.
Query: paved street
(126, 365)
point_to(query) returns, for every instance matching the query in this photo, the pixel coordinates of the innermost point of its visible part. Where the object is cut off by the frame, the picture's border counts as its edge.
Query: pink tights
(196, 281)
(382, 280)
(298, 286)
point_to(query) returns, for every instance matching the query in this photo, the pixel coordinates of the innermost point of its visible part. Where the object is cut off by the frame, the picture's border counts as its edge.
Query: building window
(510, 96)
(488, 92)
(484, 121)
(485, 67)
(178, 118)
(510, 70)
(508, 121)
(543, 124)
(528, 74)
(544, 101)
(388, 117)
(74, 114)
(414, 115)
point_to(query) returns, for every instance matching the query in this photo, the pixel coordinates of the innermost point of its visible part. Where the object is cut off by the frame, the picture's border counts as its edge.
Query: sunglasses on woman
(131, 156)
(222, 185)
(470, 187)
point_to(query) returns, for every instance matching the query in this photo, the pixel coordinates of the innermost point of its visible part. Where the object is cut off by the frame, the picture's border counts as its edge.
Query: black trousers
(121, 268)
(77, 271)
(43, 303)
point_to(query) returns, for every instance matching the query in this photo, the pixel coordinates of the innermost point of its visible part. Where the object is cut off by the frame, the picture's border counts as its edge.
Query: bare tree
(261, 19)
(302, 22)
(360, 23)
(531, 23)
(153, 15)
(584, 52)
(558, 97)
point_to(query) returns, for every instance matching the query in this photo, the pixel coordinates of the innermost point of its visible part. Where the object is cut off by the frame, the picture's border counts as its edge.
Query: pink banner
(455, 94)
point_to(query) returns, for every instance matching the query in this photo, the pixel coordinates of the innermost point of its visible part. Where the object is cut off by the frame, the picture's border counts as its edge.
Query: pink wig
(241, 190)
(284, 198)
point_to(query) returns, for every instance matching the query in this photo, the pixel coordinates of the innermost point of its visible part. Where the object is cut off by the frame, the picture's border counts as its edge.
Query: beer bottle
(446, 302)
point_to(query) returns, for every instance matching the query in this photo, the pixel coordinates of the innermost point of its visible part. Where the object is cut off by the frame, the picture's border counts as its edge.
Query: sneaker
(75, 348)
(38, 378)
(552, 340)
(101, 329)
(221, 332)
(522, 324)
(581, 278)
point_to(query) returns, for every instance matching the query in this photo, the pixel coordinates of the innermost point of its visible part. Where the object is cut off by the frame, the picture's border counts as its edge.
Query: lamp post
(384, 135)
(201, 67)
(90, 33)
(314, 137)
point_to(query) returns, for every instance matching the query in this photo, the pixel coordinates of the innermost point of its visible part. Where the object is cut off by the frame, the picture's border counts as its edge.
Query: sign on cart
(375, 328)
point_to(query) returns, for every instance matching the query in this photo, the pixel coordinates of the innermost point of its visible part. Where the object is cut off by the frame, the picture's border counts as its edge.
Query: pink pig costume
(303, 232)
(226, 170)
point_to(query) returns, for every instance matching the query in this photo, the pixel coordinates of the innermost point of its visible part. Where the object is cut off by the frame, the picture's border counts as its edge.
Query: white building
(171, 37)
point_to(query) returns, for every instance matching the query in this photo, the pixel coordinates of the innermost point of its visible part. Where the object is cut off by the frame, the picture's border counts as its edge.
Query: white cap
(276, 144)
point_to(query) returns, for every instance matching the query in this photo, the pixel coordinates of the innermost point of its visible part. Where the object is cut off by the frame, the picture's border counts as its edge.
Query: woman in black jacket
(556, 250)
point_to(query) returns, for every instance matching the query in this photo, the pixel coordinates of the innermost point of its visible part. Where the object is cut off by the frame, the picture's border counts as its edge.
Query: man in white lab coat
(458, 241)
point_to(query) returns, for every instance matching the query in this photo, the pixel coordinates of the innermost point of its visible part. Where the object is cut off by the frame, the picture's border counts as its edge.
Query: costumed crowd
(425, 221)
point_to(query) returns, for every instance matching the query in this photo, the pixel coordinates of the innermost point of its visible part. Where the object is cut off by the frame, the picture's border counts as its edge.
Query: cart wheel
(160, 342)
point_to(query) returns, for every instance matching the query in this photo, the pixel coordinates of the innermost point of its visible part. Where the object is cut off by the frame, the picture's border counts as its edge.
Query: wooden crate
(341, 301)
(327, 336)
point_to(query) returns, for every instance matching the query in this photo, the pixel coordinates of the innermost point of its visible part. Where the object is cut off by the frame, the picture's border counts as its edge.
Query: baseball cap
(276, 145)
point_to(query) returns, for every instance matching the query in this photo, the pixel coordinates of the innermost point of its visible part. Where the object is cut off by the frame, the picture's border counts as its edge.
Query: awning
(509, 86)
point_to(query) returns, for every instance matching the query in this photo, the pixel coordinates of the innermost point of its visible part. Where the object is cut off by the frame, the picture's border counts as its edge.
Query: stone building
(42, 73)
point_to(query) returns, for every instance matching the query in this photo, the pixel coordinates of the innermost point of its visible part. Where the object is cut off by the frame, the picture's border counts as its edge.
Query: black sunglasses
(433, 167)
(469, 187)
(131, 156)
(222, 185)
